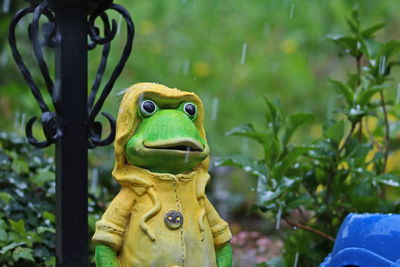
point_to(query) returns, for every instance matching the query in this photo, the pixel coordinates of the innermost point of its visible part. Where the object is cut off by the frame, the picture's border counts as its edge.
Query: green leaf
(248, 164)
(344, 90)
(11, 247)
(50, 262)
(346, 43)
(334, 130)
(23, 253)
(273, 115)
(387, 49)
(352, 81)
(365, 96)
(18, 227)
(247, 130)
(49, 216)
(3, 235)
(357, 150)
(353, 22)
(20, 166)
(42, 176)
(288, 159)
(42, 229)
(389, 180)
(370, 48)
(5, 197)
(369, 32)
(294, 122)
(304, 200)
(272, 151)
(267, 196)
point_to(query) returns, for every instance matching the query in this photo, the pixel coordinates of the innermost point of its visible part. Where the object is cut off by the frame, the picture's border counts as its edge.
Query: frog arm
(224, 255)
(110, 230)
(106, 256)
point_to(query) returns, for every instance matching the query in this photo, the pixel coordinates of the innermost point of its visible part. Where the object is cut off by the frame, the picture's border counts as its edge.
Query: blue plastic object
(367, 240)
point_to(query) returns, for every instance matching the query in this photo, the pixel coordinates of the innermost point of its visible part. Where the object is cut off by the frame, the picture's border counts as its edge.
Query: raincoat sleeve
(110, 229)
(219, 228)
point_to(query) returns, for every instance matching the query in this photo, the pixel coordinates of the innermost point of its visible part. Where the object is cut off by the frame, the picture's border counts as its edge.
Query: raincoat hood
(128, 120)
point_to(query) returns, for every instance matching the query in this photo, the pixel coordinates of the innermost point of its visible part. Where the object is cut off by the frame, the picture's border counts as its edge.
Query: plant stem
(387, 133)
(360, 128)
(332, 174)
(353, 126)
(371, 136)
(358, 63)
(308, 228)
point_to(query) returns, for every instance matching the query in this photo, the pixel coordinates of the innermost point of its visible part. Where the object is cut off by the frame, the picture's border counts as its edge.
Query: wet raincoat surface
(133, 224)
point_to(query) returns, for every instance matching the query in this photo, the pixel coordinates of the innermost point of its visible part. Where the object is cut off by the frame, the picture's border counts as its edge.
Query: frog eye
(148, 108)
(190, 109)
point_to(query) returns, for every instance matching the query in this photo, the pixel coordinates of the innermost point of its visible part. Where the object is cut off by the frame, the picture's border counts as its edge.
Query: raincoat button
(173, 219)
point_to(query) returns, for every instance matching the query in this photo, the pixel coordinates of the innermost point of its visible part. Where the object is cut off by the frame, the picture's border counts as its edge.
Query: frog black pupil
(149, 106)
(190, 109)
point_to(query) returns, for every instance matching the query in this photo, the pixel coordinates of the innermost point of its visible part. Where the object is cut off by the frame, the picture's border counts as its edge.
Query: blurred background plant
(232, 53)
(313, 186)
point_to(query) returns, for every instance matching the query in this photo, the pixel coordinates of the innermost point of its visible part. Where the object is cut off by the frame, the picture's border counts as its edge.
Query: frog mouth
(180, 145)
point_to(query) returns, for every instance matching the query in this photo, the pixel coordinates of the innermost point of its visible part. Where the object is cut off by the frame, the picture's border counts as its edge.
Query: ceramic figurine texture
(161, 216)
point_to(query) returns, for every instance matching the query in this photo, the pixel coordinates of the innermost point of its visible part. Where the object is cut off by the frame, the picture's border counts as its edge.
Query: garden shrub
(312, 187)
(27, 204)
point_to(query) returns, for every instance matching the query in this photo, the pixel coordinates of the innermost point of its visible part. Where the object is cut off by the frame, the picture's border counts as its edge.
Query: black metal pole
(70, 122)
(71, 148)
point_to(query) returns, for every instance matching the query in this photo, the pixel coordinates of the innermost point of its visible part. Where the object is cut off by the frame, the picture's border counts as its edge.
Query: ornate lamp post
(70, 120)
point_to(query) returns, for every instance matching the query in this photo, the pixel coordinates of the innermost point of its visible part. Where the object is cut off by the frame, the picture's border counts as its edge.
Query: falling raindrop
(23, 119)
(245, 149)
(22, 25)
(398, 94)
(121, 92)
(140, 99)
(244, 52)
(291, 11)
(278, 219)
(6, 6)
(4, 58)
(214, 110)
(95, 179)
(382, 64)
(119, 24)
(296, 260)
(16, 119)
(267, 29)
(185, 67)
(187, 154)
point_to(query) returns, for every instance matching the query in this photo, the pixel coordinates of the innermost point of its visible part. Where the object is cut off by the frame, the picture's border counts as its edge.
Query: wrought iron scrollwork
(51, 37)
(48, 35)
(110, 31)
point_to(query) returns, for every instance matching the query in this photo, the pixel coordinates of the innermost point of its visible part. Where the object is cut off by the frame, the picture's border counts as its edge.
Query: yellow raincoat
(133, 224)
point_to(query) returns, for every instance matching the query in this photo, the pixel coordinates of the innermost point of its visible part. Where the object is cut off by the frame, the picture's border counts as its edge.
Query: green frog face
(166, 139)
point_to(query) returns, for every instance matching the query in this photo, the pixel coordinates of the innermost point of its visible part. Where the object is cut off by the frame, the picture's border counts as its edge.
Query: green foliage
(27, 221)
(27, 204)
(314, 186)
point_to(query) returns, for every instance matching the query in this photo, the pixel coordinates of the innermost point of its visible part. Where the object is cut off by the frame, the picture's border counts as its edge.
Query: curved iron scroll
(110, 31)
(51, 125)
(48, 35)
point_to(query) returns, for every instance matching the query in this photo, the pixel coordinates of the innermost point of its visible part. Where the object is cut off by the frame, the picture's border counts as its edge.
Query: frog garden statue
(161, 216)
